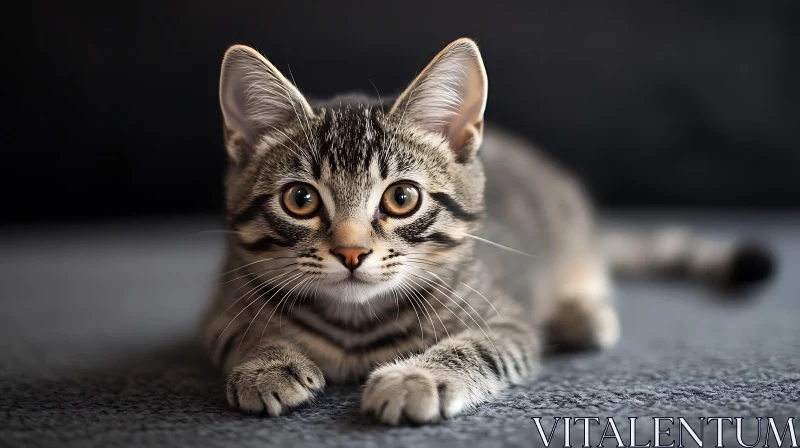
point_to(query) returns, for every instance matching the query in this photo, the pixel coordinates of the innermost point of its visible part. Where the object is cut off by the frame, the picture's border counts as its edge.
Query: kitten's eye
(301, 200)
(400, 199)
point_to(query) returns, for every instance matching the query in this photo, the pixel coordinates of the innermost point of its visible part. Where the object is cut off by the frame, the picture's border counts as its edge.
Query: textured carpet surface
(97, 349)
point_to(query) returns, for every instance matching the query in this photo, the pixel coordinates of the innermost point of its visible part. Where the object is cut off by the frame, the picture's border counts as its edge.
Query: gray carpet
(97, 345)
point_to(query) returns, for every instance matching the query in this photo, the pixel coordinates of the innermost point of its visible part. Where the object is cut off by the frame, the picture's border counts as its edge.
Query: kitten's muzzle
(351, 257)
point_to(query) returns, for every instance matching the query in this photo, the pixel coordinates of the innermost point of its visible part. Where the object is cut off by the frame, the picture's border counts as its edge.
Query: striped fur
(432, 322)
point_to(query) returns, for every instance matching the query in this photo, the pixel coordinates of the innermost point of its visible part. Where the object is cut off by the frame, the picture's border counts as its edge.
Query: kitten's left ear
(449, 97)
(256, 99)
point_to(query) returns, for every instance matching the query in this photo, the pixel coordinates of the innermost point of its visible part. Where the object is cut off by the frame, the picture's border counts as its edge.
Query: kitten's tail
(677, 253)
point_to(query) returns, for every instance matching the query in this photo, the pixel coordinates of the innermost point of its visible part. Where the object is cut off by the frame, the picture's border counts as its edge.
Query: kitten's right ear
(256, 99)
(449, 97)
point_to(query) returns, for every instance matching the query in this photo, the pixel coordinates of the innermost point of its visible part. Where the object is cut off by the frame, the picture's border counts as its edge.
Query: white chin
(352, 291)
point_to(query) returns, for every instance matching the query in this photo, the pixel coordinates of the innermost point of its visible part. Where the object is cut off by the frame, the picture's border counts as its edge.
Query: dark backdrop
(112, 110)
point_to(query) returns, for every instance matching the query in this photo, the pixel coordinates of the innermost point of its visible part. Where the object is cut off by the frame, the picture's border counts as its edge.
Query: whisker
(283, 301)
(285, 282)
(294, 298)
(316, 291)
(462, 309)
(400, 124)
(301, 293)
(250, 294)
(301, 154)
(431, 263)
(452, 279)
(383, 153)
(256, 277)
(316, 288)
(484, 240)
(435, 312)
(373, 311)
(250, 264)
(451, 290)
(448, 290)
(306, 290)
(440, 318)
(376, 91)
(307, 124)
(255, 290)
(422, 301)
(408, 101)
(393, 288)
(234, 319)
(411, 302)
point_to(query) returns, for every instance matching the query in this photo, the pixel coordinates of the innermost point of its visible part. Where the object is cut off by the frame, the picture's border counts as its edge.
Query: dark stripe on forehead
(255, 208)
(350, 136)
(452, 206)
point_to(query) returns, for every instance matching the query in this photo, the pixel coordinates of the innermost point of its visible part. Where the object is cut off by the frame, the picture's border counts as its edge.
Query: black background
(112, 110)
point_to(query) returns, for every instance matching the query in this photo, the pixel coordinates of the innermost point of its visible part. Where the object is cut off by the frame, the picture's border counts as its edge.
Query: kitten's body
(438, 321)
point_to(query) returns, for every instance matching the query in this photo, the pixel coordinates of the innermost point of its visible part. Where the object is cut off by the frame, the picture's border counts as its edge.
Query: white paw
(606, 327)
(402, 393)
(273, 387)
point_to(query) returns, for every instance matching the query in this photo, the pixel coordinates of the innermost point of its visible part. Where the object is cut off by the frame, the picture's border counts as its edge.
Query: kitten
(359, 247)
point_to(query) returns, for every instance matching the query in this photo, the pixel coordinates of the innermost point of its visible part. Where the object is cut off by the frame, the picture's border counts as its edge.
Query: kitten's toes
(400, 393)
(274, 387)
(583, 325)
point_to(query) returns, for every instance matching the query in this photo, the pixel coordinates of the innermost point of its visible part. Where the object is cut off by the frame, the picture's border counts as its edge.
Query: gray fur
(443, 322)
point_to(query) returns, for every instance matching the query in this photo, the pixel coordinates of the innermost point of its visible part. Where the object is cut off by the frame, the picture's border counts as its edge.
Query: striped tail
(676, 253)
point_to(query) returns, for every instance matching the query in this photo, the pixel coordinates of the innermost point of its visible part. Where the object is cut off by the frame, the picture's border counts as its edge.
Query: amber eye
(400, 199)
(301, 200)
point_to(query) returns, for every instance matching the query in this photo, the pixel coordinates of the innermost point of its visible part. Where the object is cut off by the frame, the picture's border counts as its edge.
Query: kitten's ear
(449, 97)
(256, 99)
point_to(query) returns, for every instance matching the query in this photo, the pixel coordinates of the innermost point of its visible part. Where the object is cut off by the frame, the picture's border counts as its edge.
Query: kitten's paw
(585, 326)
(274, 386)
(402, 393)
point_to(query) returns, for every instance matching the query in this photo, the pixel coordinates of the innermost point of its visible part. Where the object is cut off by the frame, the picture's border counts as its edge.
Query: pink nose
(351, 256)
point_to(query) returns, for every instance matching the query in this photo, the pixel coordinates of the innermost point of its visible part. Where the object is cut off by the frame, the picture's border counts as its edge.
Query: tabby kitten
(358, 247)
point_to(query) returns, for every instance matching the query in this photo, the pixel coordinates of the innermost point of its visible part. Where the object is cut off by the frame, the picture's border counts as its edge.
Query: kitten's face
(350, 202)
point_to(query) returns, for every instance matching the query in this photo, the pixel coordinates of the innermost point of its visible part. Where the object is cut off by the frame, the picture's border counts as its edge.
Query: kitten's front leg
(274, 378)
(452, 376)
(265, 372)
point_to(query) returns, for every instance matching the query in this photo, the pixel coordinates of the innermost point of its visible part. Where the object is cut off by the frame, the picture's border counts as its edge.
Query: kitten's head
(354, 198)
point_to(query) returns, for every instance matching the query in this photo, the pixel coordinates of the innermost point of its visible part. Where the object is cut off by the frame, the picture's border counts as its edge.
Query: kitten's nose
(351, 257)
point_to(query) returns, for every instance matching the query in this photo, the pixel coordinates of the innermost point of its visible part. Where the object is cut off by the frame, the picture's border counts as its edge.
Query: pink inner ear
(255, 97)
(449, 96)
(234, 106)
(461, 127)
